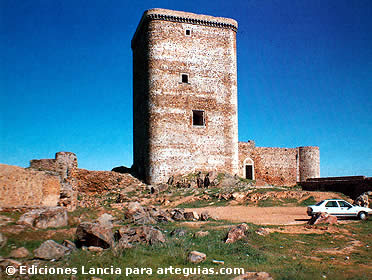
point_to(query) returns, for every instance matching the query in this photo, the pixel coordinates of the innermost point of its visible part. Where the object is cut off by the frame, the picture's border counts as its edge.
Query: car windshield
(319, 203)
(344, 203)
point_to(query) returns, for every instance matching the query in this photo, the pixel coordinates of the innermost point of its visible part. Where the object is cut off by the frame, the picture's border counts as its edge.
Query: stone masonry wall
(163, 104)
(280, 166)
(26, 187)
(276, 166)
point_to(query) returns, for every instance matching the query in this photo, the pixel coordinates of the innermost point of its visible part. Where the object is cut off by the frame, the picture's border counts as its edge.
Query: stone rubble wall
(26, 187)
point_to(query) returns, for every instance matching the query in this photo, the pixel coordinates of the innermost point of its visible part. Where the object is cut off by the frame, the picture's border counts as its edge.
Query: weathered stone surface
(254, 276)
(88, 181)
(50, 250)
(142, 234)
(105, 220)
(26, 187)
(177, 214)
(322, 218)
(19, 253)
(69, 244)
(196, 257)
(145, 215)
(236, 233)
(94, 234)
(45, 217)
(3, 240)
(191, 216)
(262, 232)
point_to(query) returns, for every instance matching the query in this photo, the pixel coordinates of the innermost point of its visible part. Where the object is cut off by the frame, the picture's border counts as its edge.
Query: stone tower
(184, 94)
(308, 162)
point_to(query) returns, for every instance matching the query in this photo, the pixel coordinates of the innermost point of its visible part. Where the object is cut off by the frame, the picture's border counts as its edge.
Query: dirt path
(258, 215)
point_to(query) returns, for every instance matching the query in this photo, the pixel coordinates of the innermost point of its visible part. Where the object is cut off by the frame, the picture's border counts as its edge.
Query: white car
(339, 208)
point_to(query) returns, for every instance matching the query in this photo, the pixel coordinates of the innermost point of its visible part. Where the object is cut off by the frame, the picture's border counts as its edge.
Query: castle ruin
(185, 115)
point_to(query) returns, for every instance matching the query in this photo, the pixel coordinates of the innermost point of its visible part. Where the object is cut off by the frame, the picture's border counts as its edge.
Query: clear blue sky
(304, 78)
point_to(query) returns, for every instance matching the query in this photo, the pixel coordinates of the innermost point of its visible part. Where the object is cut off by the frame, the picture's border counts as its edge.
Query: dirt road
(258, 215)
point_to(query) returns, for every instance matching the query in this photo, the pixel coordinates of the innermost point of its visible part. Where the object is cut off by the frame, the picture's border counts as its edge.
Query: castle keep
(185, 104)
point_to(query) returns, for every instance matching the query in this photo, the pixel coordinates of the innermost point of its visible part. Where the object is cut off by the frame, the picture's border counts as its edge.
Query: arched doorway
(249, 169)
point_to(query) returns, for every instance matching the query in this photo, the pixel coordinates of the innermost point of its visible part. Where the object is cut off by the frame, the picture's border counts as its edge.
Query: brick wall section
(26, 187)
(165, 141)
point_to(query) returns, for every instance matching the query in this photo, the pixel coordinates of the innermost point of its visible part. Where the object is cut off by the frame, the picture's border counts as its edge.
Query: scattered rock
(94, 234)
(105, 220)
(4, 220)
(50, 250)
(95, 249)
(218, 262)
(45, 218)
(19, 253)
(262, 231)
(4, 263)
(177, 214)
(68, 196)
(322, 218)
(236, 233)
(3, 240)
(362, 200)
(191, 216)
(196, 257)
(69, 244)
(204, 216)
(142, 234)
(254, 276)
(178, 232)
(201, 233)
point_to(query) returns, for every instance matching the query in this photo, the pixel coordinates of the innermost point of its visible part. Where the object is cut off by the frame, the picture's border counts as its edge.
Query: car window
(331, 204)
(319, 203)
(344, 204)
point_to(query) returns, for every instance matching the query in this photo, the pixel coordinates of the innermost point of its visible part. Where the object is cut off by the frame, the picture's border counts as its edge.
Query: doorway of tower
(249, 172)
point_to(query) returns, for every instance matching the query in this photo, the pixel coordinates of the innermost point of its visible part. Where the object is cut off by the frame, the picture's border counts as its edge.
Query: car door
(332, 207)
(347, 209)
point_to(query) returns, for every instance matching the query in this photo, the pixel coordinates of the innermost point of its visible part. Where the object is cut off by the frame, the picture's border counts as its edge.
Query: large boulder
(105, 220)
(191, 216)
(50, 250)
(19, 253)
(322, 218)
(138, 214)
(94, 234)
(236, 233)
(142, 234)
(45, 218)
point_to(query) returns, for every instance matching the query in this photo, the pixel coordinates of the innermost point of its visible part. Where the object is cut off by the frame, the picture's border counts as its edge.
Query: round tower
(308, 163)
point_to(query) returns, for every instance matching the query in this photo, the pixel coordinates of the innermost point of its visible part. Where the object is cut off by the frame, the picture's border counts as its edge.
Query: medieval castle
(185, 115)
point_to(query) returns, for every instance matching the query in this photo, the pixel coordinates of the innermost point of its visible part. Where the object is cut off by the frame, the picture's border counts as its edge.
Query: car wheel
(362, 215)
